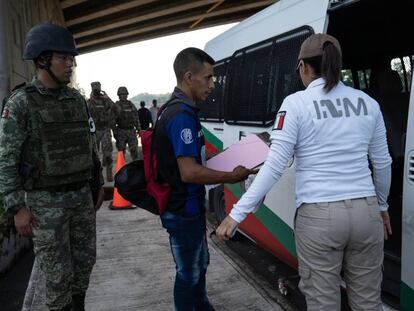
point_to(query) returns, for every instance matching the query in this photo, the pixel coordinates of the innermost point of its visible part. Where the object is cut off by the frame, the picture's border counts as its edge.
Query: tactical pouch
(26, 171)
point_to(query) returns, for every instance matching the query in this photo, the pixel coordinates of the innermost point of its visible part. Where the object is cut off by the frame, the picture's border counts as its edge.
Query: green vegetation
(161, 98)
(400, 65)
(347, 77)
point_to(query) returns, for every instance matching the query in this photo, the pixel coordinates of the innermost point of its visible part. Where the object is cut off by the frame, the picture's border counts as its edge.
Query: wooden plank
(68, 3)
(166, 23)
(108, 10)
(133, 16)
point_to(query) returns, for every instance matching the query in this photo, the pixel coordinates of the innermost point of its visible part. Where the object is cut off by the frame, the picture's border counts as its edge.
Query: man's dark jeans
(190, 251)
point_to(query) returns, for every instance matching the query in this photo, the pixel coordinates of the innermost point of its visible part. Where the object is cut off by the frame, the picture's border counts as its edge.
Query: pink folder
(250, 151)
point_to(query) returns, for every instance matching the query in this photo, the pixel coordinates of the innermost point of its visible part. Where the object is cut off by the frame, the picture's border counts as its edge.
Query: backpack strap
(169, 104)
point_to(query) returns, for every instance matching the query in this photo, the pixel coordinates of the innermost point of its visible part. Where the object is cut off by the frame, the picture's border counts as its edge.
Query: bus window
(363, 78)
(246, 98)
(212, 108)
(261, 76)
(408, 65)
(403, 65)
(347, 78)
(398, 66)
(286, 80)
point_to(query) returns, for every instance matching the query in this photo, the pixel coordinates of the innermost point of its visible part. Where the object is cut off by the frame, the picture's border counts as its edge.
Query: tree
(147, 98)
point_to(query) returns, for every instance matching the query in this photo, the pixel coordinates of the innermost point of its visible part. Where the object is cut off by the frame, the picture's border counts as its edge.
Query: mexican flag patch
(280, 119)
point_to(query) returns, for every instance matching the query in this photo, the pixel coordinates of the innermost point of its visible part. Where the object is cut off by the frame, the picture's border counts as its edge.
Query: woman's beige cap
(313, 45)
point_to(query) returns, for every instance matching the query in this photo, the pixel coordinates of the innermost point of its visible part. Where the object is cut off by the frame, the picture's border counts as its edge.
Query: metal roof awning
(100, 24)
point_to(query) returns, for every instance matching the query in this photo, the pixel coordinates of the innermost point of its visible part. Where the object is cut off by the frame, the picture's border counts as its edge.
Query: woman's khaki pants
(344, 235)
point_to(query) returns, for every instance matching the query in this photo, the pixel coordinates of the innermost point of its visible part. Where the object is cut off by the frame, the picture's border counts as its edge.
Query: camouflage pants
(124, 137)
(104, 140)
(65, 242)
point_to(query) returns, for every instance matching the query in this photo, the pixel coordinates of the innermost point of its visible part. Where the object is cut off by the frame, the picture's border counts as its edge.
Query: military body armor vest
(59, 148)
(101, 112)
(127, 115)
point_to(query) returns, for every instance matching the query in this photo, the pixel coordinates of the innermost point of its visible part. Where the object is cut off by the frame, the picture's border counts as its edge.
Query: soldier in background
(154, 111)
(127, 124)
(48, 157)
(144, 115)
(101, 108)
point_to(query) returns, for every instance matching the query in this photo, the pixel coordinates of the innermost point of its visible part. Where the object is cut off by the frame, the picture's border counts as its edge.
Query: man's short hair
(190, 59)
(142, 103)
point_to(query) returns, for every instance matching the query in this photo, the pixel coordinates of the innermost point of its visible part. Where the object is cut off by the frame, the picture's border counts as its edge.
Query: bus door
(407, 251)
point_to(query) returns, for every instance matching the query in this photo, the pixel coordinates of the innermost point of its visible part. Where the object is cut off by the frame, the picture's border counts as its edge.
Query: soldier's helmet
(96, 85)
(122, 90)
(48, 37)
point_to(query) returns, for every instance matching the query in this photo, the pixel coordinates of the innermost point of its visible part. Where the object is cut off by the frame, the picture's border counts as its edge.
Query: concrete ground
(135, 271)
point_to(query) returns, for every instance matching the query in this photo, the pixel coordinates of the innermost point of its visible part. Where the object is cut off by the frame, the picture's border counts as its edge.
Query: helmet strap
(53, 76)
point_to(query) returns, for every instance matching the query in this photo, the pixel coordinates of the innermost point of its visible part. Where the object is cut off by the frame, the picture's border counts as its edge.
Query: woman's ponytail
(331, 66)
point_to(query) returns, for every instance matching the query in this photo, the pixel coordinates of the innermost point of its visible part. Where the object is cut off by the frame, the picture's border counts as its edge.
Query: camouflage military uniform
(101, 111)
(46, 157)
(127, 125)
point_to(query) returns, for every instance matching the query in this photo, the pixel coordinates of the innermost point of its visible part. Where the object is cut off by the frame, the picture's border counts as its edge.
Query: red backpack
(137, 181)
(159, 191)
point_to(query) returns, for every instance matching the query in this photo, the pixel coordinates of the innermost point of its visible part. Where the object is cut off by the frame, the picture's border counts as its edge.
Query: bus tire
(218, 203)
(219, 208)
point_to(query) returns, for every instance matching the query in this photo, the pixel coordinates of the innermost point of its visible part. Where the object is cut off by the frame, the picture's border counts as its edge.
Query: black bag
(132, 186)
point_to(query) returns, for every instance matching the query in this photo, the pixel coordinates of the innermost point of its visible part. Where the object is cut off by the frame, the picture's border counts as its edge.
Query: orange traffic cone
(118, 202)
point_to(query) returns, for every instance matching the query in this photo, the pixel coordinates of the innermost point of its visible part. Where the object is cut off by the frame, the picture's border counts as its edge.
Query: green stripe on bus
(280, 230)
(407, 297)
(212, 139)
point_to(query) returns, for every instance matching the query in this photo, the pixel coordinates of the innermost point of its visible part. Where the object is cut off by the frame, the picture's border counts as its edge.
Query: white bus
(255, 71)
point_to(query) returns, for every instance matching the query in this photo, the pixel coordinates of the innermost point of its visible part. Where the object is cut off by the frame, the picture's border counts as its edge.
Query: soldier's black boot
(78, 302)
